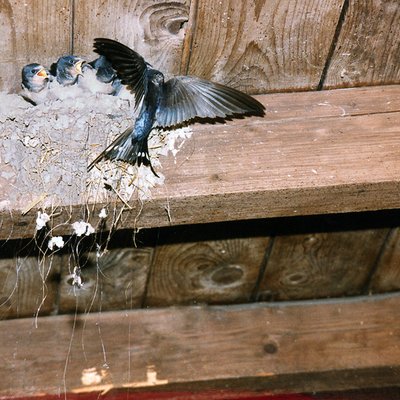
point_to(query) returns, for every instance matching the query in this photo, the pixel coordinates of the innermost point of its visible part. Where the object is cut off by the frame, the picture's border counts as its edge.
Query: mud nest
(45, 151)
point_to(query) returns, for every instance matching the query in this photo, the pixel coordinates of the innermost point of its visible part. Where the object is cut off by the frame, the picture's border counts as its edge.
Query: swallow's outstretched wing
(130, 66)
(186, 97)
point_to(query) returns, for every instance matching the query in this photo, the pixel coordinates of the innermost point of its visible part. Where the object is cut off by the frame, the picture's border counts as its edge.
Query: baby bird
(35, 77)
(35, 83)
(67, 70)
(98, 76)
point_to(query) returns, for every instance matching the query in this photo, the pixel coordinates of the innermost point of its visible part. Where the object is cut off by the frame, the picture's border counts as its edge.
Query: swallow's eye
(70, 62)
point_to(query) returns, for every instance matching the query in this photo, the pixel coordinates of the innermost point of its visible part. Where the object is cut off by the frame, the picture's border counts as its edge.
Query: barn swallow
(35, 77)
(67, 69)
(35, 83)
(164, 103)
(98, 76)
(104, 71)
(107, 74)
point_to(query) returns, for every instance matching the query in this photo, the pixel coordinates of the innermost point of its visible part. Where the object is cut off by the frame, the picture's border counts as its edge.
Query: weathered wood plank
(387, 275)
(113, 281)
(213, 272)
(313, 153)
(154, 29)
(368, 47)
(34, 31)
(28, 286)
(319, 265)
(293, 347)
(262, 46)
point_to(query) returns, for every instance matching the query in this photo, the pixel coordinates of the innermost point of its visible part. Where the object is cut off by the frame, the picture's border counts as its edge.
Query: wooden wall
(257, 46)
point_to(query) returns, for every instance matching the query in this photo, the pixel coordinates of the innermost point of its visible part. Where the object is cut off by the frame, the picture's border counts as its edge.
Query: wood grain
(113, 281)
(262, 46)
(316, 265)
(313, 153)
(155, 29)
(213, 272)
(387, 275)
(295, 347)
(28, 286)
(368, 47)
(32, 31)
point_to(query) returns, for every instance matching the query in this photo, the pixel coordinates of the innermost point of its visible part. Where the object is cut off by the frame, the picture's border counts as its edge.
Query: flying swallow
(164, 103)
(67, 69)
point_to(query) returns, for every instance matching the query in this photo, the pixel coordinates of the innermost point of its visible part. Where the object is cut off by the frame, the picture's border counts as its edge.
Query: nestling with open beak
(67, 70)
(35, 77)
(35, 83)
(164, 103)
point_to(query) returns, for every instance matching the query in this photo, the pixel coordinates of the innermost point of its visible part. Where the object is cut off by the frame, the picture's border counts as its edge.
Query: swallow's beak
(42, 73)
(78, 66)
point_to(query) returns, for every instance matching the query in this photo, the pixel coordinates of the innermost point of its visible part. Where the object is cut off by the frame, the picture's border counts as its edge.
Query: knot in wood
(227, 275)
(270, 348)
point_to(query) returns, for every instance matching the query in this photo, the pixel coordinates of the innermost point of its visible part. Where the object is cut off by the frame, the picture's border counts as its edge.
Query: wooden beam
(313, 153)
(289, 347)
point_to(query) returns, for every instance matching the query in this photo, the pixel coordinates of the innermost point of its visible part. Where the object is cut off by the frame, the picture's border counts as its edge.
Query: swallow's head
(69, 68)
(156, 77)
(34, 77)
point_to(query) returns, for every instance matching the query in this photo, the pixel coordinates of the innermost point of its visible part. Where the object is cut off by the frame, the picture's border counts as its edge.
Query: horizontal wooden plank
(291, 347)
(204, 395)
(28, 285)
(313, 153)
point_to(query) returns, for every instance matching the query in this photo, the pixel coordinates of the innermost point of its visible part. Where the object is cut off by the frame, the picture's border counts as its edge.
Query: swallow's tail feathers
(120, 149)
(126, 148)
